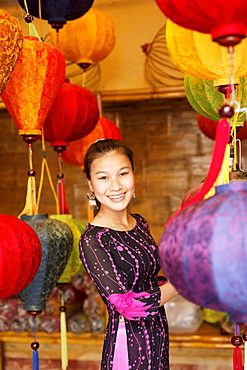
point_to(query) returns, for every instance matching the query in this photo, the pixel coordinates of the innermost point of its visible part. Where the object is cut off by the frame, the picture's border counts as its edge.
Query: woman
(122, 259)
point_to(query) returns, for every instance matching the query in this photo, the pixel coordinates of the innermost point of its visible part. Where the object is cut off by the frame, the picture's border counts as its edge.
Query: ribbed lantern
(206, 100)
(203, 251)
(57, 240)
(11, 39)
(57, 12)
(34, 85)
(73, 115)
(20, 251)
(209, 127)
(93, 44)
(197, 55)
(225, 21)
(105, 129)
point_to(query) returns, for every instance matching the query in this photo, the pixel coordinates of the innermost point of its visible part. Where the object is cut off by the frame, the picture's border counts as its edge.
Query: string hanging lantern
(195, 54)
(225, 21)
(11, 40)
(56, 12)
(20, 255)
(90, 46)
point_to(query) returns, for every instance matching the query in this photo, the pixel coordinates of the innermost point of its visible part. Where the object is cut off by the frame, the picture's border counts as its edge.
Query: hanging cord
(35, 346)
(63, 333)
(40, 20)
(44, 165)
(30, 205)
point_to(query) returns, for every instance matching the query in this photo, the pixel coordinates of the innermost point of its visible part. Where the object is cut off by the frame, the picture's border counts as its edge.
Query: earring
(134, 198)
(92, 201)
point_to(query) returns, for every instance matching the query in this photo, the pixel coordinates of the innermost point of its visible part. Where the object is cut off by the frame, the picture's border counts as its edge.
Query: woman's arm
(168, 291)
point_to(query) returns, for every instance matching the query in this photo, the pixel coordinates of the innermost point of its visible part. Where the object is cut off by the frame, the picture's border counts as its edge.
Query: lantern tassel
(30, 206)
(63, 333)
(221, 140)
(35, 346)
(35, 359)
(237, 359)
(64, 209)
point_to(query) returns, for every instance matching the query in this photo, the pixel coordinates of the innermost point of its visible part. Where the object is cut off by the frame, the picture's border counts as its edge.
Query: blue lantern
(57, 12)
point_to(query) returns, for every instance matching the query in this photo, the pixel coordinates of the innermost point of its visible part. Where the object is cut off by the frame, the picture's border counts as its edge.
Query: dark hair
(102, 147)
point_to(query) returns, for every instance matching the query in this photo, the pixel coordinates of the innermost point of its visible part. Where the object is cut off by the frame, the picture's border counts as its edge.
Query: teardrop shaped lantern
(74, 265)
(225, 21)
(57, 12)
(206, 100)
(11, 40)
(203, 251)
(105, 129)
(20, 251)
(73, 115)
(57, 240)
(197, 55)
(209, 127)
(34, 85)
(90, 46)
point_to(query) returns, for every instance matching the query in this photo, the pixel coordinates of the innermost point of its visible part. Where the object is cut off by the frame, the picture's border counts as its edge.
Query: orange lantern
(11, 39)
(105, 129)
(34, 85)
(87, 39)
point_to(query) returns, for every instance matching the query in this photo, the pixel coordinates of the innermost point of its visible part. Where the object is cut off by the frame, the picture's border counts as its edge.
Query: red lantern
(225, 20)
(34, 85)
(73, 115)
(209, 127)
(20, 255)
(105, 129)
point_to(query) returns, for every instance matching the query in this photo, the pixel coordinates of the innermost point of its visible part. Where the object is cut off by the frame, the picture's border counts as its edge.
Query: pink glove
(128, 306)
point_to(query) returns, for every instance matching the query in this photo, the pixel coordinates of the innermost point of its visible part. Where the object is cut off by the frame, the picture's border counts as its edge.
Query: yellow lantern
(87, 39)
(197, 55)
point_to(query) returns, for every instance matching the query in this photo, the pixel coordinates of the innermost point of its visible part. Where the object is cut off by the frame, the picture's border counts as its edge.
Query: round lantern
(34, 85)
(203, 251)
(206, 100)
(74, 265)
(11, 39)
(225, 21)
(195, 54)
(93, 44)
(57, 12)
(57, 240)
(105, 129)
(208, 127)
(73, 115)
(20, 255)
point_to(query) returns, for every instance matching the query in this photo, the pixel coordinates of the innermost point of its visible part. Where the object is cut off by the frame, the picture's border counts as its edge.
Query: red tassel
(237, 359)
(221, 140)
(63, 207)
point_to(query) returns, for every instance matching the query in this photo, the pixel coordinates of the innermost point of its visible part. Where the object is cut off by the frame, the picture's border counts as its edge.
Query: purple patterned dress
(124, 267)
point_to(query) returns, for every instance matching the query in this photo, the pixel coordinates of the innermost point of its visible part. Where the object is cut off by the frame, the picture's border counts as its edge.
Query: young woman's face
(112, 181)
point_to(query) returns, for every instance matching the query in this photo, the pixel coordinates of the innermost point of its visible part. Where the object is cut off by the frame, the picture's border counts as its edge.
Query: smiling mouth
(116, 196)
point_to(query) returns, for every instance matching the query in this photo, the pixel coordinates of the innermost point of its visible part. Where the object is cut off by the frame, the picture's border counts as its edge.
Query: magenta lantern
(20, 251)
(226, 21)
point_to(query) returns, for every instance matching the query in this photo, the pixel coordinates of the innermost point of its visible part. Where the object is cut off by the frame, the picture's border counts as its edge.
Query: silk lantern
(105, 129)
(206, 100)
(57, 12)
(73, 115)
(34, 85)
(20, 255)
(195, 54)
(225, 21)
(208, 127)
(90, 46)
(11, 40)
(203, 251)
(74, 265)
(56, 239)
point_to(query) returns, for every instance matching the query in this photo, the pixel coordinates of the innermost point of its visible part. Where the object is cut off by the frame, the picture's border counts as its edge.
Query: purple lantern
(203, 251)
